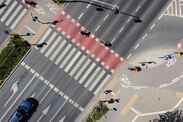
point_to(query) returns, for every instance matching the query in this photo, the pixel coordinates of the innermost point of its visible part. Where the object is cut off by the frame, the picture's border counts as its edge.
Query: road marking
(41, 78)
(8, 11)
(129, 56)
(56, 89)
(46, 82)
(45, 96)
(102, 84)
(45, 35)
(92, 76)
(77, 65)
(144, 36)
(88, 5)
(57, 50)
(58, 111)
(53, 46)
(17, 98)
(72, 61)
(97, 28)
(179, 94)
(105, 3)
(2, 9)
(48, 42)
(113, 39)
(13, 15)
(129, 19)
(152, 26)
(136, 46)
(121, 29)
(18, 19)
(105, 17)
(130, 103)
(87, 73)
(97, 80)
(30, 29)
(82, 69)
(80, 16)
(63, 53)
(67, 58)
(138, 8)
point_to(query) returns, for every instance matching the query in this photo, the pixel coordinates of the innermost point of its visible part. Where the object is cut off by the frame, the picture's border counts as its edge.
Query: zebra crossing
(12, 13)
(175, 8)
(74, 61)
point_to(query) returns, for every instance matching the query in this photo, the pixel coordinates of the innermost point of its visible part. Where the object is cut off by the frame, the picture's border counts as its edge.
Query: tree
(171, 116)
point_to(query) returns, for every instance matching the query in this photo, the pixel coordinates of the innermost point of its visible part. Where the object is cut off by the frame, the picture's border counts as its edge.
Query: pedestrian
(107, 91)
(117, 100)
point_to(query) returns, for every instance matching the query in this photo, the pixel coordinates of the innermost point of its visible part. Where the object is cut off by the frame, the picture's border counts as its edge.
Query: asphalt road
(117, 29)
(10, 16)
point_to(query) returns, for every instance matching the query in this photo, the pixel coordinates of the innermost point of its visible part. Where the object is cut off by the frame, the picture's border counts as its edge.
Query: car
(135, 69)
(25, 110)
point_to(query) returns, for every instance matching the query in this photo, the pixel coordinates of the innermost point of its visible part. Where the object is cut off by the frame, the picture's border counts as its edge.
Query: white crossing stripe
(72, 62)
(13, 15)
(77, 65)
(48, 42)
(67, 58)
(53, 46)
(97, 80)
(57, 50)
(45, 35)
(7, 3)
(92, 76)
(62, 54)
(87, 73)
(102, 84)
(18, 19)
(82, 69)
(8, 11)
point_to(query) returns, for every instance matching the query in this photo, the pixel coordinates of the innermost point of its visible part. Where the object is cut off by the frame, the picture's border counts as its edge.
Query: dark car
(25, 110)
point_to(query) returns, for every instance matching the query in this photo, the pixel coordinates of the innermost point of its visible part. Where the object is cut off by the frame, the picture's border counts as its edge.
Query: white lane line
(13, 15)
(97, 28)
(48, 42)
(72, 62)
(18, 19)
(87, 73)
(41, 77)
(32, 71)
(62, 54)
(67, 58)
(45, 96)
(105, 3)
(138, 8)
(88, 6)
(113, 39)
(129, 19)
(30, 29)
(82, 69)
(136, 46)
(105, 17)
(121, 29)
(77, 65)
(152, 26)
(58, 111)
(2, 9)
(144, 36)
(129, 56)
(92, 76)
(102, 84)
(45, 35)
(53, 46)
(8, 11)
(97, 80)
(57, 50)
(20, 94)
(80, 16)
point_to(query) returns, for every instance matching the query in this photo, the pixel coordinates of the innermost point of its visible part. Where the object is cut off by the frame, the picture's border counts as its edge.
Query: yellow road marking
(179, 95)
(130, 103)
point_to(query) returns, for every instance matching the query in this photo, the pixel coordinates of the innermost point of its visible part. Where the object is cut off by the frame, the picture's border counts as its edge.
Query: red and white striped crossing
(71, 28)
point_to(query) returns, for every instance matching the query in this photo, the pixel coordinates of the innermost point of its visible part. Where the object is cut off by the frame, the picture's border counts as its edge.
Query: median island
(11, 55)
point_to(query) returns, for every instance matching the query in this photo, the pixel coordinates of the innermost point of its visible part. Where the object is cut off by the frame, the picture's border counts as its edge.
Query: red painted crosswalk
(71, 28)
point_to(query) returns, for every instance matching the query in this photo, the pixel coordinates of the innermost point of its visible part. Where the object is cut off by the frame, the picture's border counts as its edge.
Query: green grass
(11, 55)
(97, 113)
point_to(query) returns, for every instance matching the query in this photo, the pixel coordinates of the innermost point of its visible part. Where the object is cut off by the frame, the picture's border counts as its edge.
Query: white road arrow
(62, 120)
(45, 111)
(15, 89)
(33, 95)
